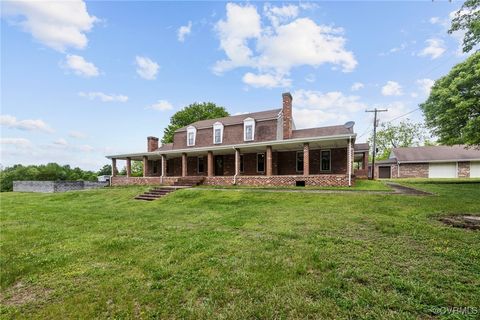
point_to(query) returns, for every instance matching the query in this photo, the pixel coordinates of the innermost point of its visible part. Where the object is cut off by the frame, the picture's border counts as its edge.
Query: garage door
(384, 172)
(474, 169)
(442, 170)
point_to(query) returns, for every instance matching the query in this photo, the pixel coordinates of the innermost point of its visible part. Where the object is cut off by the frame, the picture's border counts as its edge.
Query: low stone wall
(142, 181)
(55, 186)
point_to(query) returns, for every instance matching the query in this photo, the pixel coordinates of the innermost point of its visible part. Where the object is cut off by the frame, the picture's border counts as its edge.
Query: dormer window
(191, 135)
(248, 129)
(217, 133)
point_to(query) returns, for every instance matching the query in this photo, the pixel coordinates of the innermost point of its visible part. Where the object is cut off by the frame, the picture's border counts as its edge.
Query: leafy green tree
(137, 168)
(192, 113)
(452, 111)
(105, 170)
(468, 19)
(405, 134)
(49, 172)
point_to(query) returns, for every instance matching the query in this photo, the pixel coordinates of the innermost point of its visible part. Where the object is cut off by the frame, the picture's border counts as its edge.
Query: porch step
(189, 181)
(154, 193)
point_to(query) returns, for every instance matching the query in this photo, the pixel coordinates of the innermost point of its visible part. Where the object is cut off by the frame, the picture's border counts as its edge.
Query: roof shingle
(436, 153)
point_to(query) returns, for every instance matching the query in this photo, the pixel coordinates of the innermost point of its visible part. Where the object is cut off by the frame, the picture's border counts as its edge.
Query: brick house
(260, 148)
(430, 162)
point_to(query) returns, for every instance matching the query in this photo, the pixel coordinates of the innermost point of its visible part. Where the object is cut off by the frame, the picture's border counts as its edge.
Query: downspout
(236, 164)
(349, 161)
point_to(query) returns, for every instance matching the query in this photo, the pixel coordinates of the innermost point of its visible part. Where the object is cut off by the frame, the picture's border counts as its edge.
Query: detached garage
(442, 170)
(430, 162)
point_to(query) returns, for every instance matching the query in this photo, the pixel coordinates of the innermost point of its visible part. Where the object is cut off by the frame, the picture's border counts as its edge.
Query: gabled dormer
(191, 136)
(249, 129)
(217, 132)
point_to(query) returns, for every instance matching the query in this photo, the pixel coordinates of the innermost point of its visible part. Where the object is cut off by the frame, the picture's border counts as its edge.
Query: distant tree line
(50, 172)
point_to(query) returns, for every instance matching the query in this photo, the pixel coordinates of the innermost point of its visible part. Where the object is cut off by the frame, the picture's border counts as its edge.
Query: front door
(219, 165)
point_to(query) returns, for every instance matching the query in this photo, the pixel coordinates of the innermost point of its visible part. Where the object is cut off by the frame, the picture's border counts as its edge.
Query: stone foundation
(142, 181)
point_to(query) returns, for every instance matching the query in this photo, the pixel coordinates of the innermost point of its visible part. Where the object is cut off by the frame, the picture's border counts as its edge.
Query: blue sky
(82, 80)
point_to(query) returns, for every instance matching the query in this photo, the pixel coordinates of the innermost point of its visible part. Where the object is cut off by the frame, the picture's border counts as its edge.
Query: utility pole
(375, 138)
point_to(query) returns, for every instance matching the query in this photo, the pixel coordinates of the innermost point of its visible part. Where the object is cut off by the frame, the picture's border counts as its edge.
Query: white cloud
(61, 142)
(277, 48)
(265, 80)
(434, 20)
(276, 15)
(314, 108)
(17, 142)
(146, 68)
(357, 86)
(434, 49)
(395, 109)
(28, 124)
(183, 31)
(425, 85)
(85, 148)
(104, 97)
(56, 24)
(392, 88)
(161, 105)
(80, 66)
(77, 135)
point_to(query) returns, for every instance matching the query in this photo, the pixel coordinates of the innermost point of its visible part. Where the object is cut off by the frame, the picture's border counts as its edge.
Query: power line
(375, 138)
(403, 115)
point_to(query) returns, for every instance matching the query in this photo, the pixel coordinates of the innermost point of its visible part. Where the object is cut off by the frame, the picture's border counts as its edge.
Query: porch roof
(280, 145)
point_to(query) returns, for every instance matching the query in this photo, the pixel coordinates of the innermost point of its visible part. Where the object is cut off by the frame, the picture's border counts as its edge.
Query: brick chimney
(287, 115)
(152, 144)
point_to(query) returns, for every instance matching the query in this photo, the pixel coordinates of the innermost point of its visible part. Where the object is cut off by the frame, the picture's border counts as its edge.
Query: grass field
(238, 254)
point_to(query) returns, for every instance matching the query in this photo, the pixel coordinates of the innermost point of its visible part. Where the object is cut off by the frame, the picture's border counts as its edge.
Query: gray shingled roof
(436, 153)
(321, 131)
(238, 119)
(361, 146)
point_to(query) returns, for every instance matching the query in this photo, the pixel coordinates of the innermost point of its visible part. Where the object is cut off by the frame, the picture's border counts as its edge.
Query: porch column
(114, 167)
(349, 161)
(164, 165)
(210, 164)
(184, 164)
(306, 159)
(145, 166)
(237, 162)
(365, 161)
(129, 166)
(268, 172)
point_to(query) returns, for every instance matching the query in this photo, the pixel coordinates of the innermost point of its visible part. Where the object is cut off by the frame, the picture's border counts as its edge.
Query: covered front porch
(317, 163)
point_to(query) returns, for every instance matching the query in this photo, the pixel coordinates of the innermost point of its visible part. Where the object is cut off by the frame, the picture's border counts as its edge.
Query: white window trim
(248, 122)
(296, 161)
(198, 164)
(191, 129)
(218, 125)
(330, 160)
(264, 162)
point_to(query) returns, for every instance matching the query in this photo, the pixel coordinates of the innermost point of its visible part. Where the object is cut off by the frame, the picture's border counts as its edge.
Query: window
(325, 160)
(241, 163)
(200, 165)
(191, 133)
(217, 132)
(261, 162)
(300, 161)
(249, 129)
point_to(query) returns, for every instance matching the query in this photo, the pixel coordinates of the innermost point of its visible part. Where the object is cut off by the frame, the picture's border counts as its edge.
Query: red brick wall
(464, 169)
(413, 170)
(123, 181)
(313, 180)
(233, 134)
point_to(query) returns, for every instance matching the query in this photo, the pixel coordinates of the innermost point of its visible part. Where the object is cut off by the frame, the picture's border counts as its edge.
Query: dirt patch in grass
(21, 294)
(462, 221)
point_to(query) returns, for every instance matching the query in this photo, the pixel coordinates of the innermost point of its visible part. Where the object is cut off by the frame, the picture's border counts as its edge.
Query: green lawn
(237, 255)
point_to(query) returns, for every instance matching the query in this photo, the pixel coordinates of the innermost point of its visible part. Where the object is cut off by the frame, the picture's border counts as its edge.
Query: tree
(405, 134)
(192, 113)
(106, 170)
(452, 111)
(467, 19)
